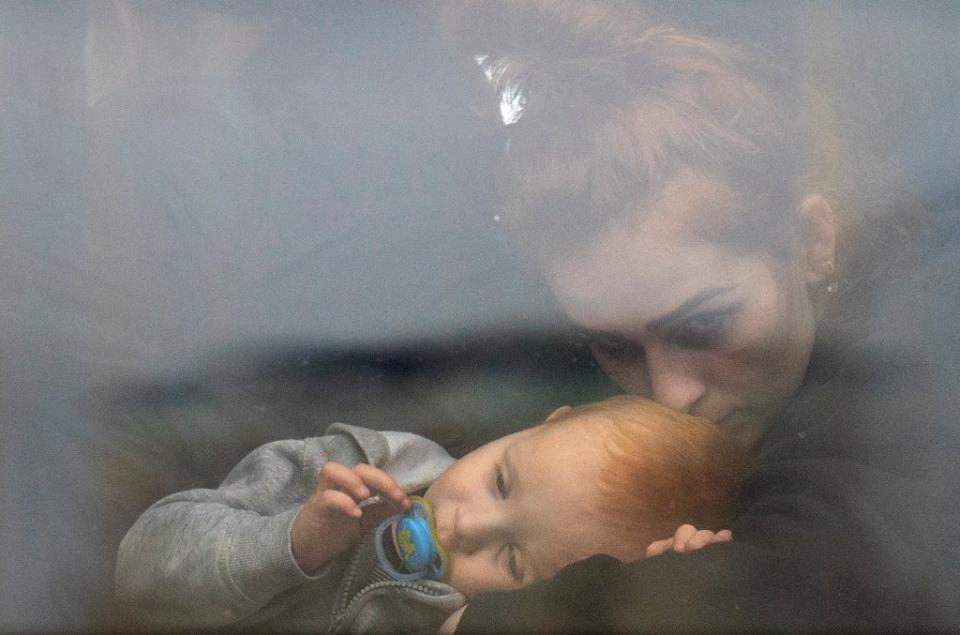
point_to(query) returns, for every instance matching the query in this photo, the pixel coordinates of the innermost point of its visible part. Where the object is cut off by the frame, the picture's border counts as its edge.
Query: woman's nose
(673, 376)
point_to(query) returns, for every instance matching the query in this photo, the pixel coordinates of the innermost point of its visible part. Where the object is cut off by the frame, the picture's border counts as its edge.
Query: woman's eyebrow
(689, 307)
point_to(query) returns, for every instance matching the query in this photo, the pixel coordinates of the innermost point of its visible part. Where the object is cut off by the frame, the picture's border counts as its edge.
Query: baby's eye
(513, 564)
(501, 484)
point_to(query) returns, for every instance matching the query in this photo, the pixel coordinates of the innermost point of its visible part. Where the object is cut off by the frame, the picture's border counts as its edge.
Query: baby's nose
(473, 530)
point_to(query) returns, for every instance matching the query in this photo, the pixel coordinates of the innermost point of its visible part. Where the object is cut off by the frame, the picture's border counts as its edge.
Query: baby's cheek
(472, 575)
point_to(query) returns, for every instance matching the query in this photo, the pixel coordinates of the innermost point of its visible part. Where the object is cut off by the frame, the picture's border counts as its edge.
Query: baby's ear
(562, 410)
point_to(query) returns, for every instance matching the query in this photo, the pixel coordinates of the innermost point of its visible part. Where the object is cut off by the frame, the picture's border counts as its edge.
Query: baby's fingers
(680, 537)
(700, 539)
(333, 502)
(688, 538)
(706, 537)
(382, 484)
(340, 477)
(658, 547)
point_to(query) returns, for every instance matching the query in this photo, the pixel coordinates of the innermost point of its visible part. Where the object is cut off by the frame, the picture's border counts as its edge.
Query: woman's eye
(702, 331)
(513, 565)
(501, 484)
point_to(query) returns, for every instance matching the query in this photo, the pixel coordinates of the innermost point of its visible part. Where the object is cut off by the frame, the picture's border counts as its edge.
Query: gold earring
(830, 273)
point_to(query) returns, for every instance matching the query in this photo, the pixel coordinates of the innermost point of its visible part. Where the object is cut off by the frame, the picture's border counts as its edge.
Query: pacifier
(407, 545)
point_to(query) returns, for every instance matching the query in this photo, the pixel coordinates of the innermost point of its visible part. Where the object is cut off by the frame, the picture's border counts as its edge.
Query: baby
(284, 542)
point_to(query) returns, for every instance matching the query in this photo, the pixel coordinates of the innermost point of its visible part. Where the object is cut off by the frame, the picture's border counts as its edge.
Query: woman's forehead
(641, 275)
(696, 203)
(664, 251)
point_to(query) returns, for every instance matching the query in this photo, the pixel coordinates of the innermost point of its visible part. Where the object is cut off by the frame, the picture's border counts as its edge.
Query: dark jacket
(850, 514)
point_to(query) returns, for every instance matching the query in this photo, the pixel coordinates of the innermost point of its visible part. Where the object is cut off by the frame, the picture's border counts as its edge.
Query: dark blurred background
(225, 223)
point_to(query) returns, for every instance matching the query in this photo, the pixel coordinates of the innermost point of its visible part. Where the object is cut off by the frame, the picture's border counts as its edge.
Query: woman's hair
(612, 104)
(662, 468)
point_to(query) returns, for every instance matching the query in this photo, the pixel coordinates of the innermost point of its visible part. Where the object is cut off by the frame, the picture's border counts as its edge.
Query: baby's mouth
(440, 529)
(446, 529)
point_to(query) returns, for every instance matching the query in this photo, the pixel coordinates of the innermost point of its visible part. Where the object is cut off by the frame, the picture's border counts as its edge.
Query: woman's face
(700, 327)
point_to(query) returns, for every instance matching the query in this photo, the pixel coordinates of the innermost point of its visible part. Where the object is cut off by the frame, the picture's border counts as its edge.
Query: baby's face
(521, 508)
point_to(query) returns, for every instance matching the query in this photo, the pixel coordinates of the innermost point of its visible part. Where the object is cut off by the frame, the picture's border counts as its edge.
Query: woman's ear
(818, 234)
(562, 410)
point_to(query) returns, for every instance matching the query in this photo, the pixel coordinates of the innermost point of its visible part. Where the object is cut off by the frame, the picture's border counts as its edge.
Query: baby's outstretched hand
(331, 520)
(688, 538)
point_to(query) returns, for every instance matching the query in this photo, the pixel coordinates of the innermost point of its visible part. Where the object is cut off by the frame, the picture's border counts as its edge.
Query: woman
(714, 255)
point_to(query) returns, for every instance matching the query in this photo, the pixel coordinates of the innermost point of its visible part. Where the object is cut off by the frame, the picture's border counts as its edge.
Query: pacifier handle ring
(382, 559)
(420, 515)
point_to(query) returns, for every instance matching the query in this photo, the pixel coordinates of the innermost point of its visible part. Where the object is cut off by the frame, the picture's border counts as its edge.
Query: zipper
(347, 602)
(413, 586)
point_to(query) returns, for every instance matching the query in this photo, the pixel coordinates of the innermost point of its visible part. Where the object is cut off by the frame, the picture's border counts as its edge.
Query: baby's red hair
(662, 469)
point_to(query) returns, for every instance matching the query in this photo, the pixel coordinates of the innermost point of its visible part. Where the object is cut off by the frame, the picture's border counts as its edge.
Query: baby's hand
(331, 520)
(687, 538)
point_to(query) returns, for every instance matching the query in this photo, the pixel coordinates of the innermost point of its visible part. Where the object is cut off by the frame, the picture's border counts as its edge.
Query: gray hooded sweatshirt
(208, 558)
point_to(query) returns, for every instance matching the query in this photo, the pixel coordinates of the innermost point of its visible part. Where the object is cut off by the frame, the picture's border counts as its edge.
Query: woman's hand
(331, 520)
(688, 538)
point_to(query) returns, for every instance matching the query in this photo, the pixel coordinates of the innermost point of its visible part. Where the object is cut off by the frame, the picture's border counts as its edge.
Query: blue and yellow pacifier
(407, 544)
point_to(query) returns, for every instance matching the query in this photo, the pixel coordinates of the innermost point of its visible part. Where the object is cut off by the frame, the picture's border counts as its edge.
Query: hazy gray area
(222, 223)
